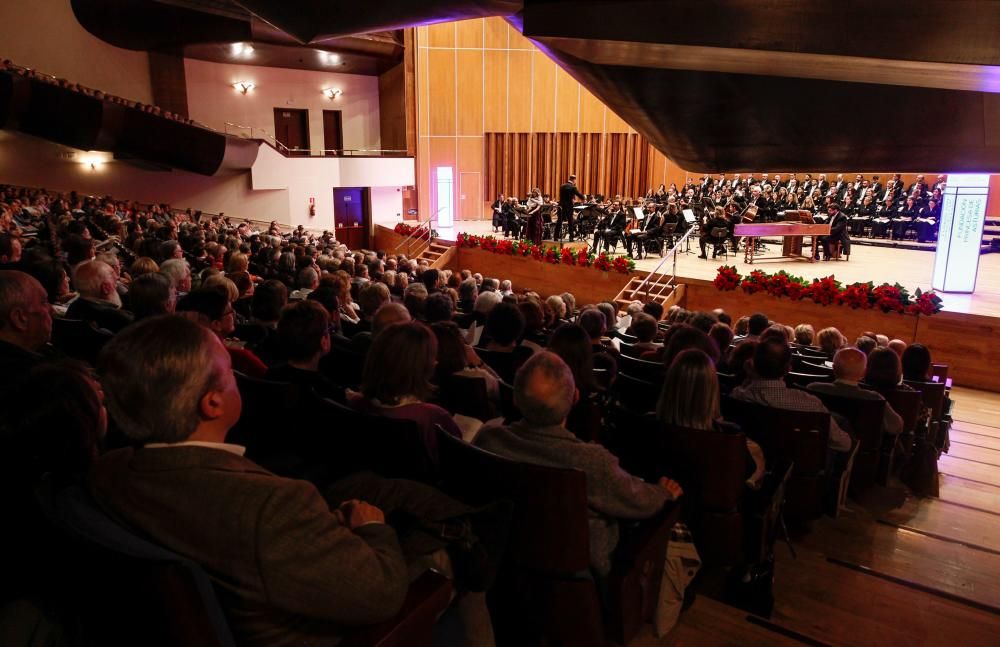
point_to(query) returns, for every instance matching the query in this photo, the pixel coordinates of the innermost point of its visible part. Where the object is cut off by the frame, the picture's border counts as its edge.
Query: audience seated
(99, 302)
(544, 392)
(396, 382)
(25, 327)
(211, 307)
(304, 335)
(690, 400)
(771, 362)
(849, 366)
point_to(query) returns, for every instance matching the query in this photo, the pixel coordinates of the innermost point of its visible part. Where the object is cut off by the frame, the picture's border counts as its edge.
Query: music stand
(690, 219)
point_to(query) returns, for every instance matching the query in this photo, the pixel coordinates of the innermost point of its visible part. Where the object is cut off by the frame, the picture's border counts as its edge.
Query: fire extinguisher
(312, 210)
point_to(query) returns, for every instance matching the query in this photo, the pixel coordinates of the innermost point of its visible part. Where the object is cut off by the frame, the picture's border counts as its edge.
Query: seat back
(932, 396)
(711, 467)
(465, 395)
(505, 364)
(865, 418)
(629, 350)
(803, 380)
(642, 369)
(271, 412)
(789, 437)
(636, 394)
(79, 339)
(907, 405)
(126, 589)
(549, 531)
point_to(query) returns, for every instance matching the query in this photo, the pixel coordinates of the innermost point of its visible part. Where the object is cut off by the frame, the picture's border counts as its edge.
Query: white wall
(305, 178)
(28, 161)
(387, 205)
(45, 35)
(276, 188)
(213, 101)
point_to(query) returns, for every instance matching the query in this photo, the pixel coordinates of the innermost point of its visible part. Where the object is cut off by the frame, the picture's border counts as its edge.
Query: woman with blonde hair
(830, 340)
(690, 400)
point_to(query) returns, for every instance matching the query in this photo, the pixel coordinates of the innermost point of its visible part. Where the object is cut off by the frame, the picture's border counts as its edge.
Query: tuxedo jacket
(566, 194)
(287, 572)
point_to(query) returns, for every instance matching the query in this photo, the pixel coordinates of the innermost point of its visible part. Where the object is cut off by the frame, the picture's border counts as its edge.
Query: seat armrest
(426, 599)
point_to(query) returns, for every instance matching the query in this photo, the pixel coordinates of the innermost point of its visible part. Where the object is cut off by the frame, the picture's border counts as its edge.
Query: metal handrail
(413, 234)
(671, 254)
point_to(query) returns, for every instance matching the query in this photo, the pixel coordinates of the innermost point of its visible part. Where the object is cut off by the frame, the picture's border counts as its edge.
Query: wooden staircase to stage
(657, 286)
(438, 253)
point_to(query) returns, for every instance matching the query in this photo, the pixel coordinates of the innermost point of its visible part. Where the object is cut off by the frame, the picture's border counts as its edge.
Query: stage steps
(659, 288)
(438, 254)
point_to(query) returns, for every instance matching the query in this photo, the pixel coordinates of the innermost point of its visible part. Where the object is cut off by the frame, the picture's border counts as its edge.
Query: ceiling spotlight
(244, 86)
(332, 93)
(242, 49)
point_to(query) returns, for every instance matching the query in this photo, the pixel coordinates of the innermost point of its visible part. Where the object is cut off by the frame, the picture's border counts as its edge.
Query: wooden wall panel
(441, 35)
(616, 124)
(469, 34)
(423, 178)
(423, 90)
(441, 87)
(496, 33)
(567, 102)
(519, 98)
(543, 117)
(495, 102)
(518, 41)
(470, 154)
(591, 113)
(470, 92)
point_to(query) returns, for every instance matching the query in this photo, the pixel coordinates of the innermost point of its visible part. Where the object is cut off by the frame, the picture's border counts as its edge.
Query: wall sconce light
(332, 93)
(244, 86)
(93, 161)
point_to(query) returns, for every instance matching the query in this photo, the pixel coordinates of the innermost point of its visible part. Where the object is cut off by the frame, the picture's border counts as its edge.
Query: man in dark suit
(292, 568)
(568, 194)
(25, 328)
(99, 302)
(838, 232)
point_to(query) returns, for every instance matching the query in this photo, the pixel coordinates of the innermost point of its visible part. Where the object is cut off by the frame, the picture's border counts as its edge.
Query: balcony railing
(249, 132)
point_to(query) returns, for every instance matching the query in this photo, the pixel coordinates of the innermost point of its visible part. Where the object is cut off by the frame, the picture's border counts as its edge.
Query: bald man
(545, 393)
(99, 302)
(849, 366)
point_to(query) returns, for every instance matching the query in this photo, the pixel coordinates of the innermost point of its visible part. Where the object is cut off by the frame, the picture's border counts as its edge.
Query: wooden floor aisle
(894, 569)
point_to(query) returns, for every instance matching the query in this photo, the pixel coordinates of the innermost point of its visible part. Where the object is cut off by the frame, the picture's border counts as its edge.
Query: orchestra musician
(533, 212)
(651, 229)
(568, 195)
(511, 222)
(838, 232)
(498, 212)
(610, 227)
(632, 229)
(717, 220)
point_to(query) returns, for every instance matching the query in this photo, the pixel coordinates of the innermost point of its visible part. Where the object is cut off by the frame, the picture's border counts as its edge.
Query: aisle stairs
(659, 286)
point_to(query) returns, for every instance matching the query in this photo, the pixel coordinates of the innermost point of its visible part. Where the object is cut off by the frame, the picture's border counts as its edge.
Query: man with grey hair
(468, 292)
(179, 272)
(506, 288)
(25, 327)
(307, 281)
(99, 302)
(289, 566)
(545, 393)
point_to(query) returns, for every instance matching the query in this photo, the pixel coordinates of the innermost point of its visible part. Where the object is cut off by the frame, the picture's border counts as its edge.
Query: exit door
(291, 128)
(352, 216)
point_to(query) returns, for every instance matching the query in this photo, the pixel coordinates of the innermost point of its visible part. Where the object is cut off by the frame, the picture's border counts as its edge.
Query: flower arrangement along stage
(404, 229)
(826, 291)
(548, 254)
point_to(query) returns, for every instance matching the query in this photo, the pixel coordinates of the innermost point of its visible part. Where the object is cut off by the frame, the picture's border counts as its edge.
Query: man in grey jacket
(544, 392)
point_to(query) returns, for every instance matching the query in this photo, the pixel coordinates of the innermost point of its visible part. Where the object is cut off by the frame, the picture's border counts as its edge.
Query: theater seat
(545, 593)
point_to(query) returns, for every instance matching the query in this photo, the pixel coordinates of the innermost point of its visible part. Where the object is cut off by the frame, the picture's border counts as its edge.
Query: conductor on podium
(567, 193)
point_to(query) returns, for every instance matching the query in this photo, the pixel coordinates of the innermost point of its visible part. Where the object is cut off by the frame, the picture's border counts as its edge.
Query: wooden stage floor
(910, 268)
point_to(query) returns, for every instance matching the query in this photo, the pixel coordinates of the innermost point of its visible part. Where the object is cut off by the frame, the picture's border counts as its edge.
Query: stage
(910, 268)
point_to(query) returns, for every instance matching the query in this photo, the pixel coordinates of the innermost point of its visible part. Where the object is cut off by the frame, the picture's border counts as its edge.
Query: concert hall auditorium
(499, 323)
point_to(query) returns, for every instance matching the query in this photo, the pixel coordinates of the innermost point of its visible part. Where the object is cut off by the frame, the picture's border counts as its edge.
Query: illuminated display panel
(963, 214)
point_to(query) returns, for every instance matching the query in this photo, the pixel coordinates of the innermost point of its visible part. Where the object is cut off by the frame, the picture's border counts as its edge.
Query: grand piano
(791, 231)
